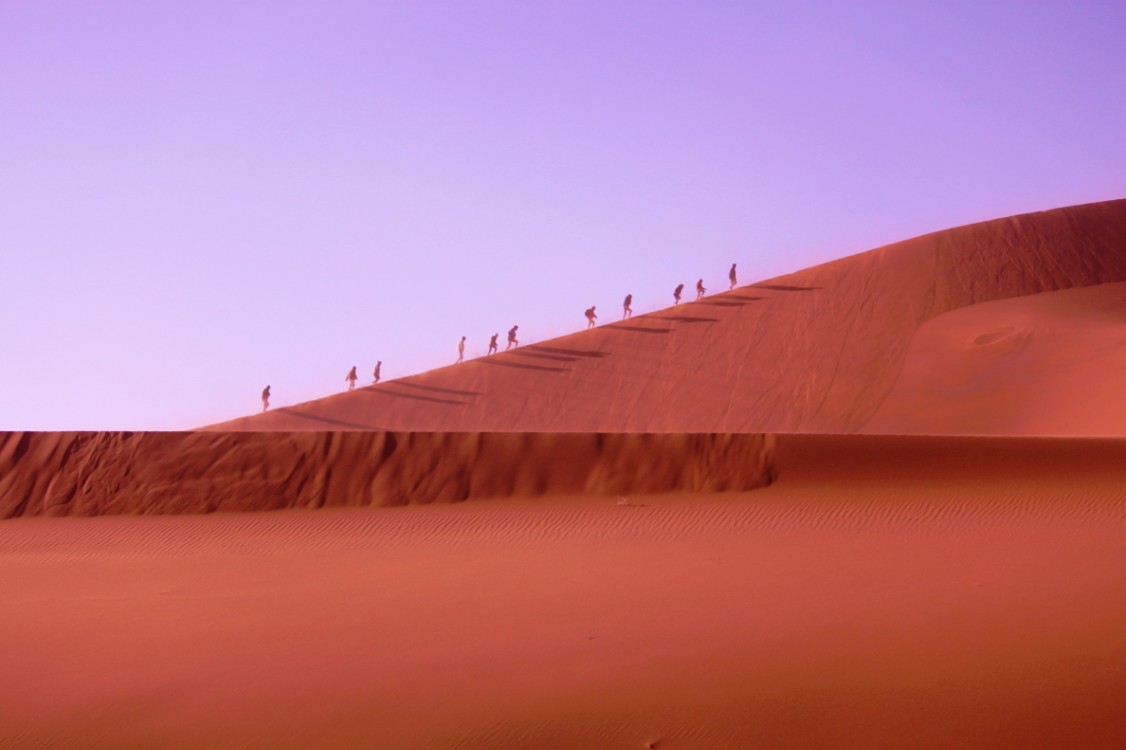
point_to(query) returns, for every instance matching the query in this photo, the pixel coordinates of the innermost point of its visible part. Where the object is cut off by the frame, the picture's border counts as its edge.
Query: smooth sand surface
(1046, 364)
(816, 351)
(930, 594)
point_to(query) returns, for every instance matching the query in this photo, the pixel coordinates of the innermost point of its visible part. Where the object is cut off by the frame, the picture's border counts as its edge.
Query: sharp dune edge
(101, 473)
(956, 582)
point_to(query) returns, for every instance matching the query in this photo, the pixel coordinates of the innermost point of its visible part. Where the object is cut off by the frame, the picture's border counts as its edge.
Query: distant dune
(821, 350)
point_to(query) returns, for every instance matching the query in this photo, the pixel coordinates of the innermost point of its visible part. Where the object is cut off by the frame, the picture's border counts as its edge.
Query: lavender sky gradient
(200, 198)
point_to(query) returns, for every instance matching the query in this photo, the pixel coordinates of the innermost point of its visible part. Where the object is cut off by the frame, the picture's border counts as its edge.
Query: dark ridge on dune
(814, 351)
(107, 473)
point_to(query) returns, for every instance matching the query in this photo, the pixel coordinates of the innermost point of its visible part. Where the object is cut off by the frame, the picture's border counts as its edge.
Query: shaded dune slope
(814, 351)
(84, 474)
(104, 473)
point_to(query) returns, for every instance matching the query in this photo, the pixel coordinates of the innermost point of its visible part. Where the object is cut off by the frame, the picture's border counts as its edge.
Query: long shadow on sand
(784, 288)
(504, 363)
(634, 329)
(376, 390)
(529, 352)
(728, 302)
(566, 352)
(436, 389)
(328, 420)
(686, 318)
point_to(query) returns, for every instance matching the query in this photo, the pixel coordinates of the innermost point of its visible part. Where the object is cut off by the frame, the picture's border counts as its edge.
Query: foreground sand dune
(819, 350)
(99, 473)
(924, 593)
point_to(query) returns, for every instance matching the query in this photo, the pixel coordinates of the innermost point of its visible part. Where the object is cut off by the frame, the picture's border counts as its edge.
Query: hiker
(460, 350)
(493, 344)
(265, 399)
(732, 276)
(700, 289)
(676, 294)
(351, 378)
(626, 309)
(512, 338)
(590, 317)
(375, 372)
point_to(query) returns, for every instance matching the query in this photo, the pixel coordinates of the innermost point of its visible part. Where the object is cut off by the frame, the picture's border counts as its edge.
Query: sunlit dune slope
(820, 350)
(99, 473)
(1048, 364)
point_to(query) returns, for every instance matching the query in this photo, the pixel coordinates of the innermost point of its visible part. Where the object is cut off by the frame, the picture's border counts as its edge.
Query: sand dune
(617, 586)
(103, 473)
(928, 592)
(820, 350)
(1048, 364)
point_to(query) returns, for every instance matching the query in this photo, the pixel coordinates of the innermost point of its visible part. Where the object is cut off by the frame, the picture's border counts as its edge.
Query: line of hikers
(592, 316)
(591, 322)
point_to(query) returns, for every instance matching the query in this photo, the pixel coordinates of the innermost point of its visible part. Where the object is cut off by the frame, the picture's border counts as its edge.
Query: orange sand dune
(1049, 364)
(820, 350)
(884, 592)
(880, 591)
(99, 473)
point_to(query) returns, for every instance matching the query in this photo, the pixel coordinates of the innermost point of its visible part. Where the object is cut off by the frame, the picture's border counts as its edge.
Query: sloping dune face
(1047, 364)
(815, 351)
(101, 473)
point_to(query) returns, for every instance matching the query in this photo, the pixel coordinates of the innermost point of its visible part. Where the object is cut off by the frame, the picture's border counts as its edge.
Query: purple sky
(200, 198)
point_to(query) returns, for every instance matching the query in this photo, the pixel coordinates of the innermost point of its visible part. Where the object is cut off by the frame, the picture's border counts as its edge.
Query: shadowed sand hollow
(102, 473)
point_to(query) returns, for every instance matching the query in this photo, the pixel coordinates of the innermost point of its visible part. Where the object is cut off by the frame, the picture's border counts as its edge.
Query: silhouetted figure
(265, 399)
(700, 290)
(460, 350)
(731, 275)
(375, 372)
(626, 309)
(676, 294)
(590, 317)
(351, 378)
(512, 338)
(493, 344)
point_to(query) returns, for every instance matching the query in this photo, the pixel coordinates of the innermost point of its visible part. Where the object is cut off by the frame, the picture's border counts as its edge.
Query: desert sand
(876, 503)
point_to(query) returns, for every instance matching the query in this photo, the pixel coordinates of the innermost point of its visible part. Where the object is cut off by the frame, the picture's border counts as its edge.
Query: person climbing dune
(375, 372)
(627, 310)
(460, 350)
(265, 399)
(493, 344)
(512, 338)
(676, 294)
(731, 275)
(351, 377)
(700, 290)
(590, 317)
